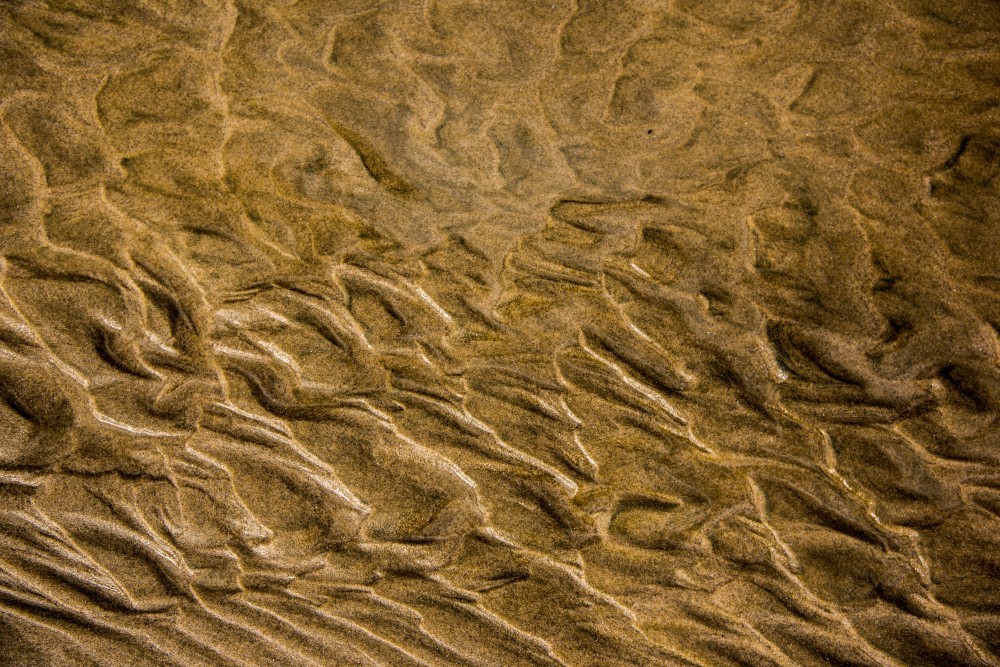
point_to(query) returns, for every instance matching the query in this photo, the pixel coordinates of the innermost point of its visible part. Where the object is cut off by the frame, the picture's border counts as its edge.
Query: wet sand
(500, 333)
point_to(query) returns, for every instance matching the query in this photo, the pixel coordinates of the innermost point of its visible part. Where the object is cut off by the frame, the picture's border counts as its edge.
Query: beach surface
(500, 333)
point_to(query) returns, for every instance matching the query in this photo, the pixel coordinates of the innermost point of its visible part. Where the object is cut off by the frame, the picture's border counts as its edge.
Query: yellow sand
(634, 332)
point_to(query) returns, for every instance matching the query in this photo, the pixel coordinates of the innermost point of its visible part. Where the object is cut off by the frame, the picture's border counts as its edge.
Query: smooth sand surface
(584, 333)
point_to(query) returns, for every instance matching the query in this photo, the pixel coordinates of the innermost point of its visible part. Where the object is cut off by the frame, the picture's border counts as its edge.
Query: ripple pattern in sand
(499, 333)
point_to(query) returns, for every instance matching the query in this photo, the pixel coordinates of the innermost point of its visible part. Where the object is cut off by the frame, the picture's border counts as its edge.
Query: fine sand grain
(499, 333)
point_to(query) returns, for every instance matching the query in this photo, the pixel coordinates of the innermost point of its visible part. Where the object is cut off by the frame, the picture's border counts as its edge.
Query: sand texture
(597, 333)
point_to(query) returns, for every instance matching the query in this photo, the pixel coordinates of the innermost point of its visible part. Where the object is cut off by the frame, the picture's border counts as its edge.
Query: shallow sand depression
(622, 333)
